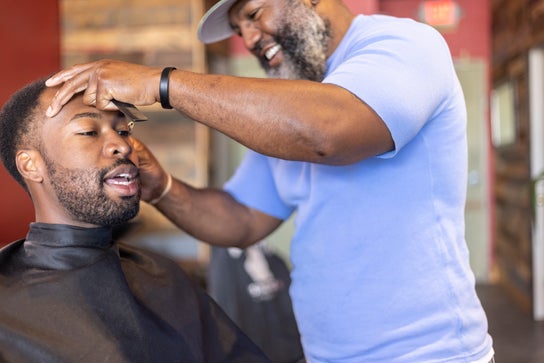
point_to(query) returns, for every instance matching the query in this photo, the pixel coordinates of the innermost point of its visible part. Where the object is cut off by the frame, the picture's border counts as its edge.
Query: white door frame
(536, 115)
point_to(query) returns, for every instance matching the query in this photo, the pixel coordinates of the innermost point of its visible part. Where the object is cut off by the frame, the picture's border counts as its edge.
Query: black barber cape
(70, 294)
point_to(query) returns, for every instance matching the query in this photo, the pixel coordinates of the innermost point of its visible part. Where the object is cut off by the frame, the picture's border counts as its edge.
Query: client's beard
(81, 193)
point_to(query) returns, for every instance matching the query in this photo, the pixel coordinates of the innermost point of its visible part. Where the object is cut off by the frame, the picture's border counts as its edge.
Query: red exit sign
(440, 13)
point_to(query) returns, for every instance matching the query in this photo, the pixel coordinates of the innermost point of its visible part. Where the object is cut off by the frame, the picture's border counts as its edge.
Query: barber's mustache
(258, 47)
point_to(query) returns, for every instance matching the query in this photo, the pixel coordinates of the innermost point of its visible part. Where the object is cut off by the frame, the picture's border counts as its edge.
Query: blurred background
(498, 50)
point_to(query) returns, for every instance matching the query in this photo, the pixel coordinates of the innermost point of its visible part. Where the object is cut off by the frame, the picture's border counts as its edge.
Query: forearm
(288, 119)
(210, 215)
(293, 120)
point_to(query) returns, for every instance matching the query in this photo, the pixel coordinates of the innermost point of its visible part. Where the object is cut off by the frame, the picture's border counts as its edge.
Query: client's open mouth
(123, 180)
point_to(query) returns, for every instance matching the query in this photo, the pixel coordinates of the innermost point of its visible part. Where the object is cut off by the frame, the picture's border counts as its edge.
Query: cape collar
(62, 247)
(60, 235)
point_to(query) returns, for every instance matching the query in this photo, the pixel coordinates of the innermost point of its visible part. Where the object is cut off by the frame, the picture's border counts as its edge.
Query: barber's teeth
(270, 53)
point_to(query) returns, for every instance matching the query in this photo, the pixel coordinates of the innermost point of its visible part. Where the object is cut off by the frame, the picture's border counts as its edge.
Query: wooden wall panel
(518, 25)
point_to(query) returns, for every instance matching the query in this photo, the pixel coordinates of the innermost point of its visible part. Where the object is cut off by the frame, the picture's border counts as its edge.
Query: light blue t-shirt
(381, 269)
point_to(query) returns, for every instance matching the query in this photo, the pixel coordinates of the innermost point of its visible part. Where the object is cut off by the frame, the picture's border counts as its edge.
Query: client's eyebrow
(93, 115)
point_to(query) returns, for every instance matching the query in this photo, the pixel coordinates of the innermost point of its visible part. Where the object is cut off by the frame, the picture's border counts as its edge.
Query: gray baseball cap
(214, 25)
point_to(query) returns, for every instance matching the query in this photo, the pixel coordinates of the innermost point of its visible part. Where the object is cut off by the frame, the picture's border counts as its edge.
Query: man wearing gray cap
(360, 130)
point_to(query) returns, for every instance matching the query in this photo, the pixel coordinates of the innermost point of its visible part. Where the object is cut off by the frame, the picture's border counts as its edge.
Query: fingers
(73, 81)
(66, 74)
(62, 96)
(103, 81)
(153, 177)
(90, 94)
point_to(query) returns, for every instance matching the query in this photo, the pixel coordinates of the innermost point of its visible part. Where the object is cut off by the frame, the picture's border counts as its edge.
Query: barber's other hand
(104, 80)
(153, 177)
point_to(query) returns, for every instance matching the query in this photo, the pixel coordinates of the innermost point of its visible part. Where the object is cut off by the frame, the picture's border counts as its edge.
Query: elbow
(327, 149)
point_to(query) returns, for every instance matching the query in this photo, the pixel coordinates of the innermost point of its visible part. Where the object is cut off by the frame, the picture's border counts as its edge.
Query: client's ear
(28, 163)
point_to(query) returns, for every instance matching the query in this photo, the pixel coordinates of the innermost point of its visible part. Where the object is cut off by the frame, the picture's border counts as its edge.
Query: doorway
(472, 74)
(536, 117)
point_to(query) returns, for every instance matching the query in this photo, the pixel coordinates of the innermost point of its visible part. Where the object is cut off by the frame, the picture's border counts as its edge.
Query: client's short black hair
(17, 125)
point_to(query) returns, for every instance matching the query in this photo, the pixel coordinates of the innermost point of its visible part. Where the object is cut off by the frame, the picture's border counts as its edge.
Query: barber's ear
(29, 164)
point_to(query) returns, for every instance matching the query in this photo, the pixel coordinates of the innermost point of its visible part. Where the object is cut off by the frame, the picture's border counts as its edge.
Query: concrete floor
(517, 337)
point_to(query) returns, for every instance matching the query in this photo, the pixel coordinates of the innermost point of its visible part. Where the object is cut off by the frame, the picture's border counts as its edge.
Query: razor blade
(130, 111)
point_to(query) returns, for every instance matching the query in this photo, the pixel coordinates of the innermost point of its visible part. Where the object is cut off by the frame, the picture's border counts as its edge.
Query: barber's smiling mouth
(271, 55)
(123, 180)
(271, 52)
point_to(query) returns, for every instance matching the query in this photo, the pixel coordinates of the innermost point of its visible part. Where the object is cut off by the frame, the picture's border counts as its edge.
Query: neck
(340, 17)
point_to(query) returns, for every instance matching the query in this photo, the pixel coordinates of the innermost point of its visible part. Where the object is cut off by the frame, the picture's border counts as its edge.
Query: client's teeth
(270, 53)
(124, 175)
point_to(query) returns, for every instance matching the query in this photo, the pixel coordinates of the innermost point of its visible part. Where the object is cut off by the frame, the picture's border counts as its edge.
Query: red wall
(363, 6)
(30, 38)
(471, 37)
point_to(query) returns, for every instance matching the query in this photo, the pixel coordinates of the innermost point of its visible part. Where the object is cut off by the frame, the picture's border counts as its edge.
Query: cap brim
(214, 25)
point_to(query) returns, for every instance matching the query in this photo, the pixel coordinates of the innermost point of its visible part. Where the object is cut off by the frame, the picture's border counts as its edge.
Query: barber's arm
(289, 119)
(210, 215)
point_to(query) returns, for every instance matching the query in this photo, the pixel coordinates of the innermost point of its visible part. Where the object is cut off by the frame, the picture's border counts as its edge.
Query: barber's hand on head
(153, 177)
(103, 81)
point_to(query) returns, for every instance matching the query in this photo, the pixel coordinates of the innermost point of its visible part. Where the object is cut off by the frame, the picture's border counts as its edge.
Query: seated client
(68, 292)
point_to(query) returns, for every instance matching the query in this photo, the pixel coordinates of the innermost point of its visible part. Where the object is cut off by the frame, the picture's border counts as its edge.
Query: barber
(360, 130)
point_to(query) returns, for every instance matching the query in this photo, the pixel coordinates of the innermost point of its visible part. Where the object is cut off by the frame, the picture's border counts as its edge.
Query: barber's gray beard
(81, 193)
(293, 67)
(285, 71)
(304, 38)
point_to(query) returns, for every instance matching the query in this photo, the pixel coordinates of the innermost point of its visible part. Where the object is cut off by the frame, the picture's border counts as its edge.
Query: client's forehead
(47, 96)
(44, 101)
(73, 107)
(49, 93)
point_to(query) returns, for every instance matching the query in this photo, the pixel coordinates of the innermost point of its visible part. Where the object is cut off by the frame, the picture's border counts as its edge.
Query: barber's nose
(251, 35)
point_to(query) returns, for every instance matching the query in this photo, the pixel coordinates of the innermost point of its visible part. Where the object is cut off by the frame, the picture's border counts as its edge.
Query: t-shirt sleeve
(253, 185)
(402, 70)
